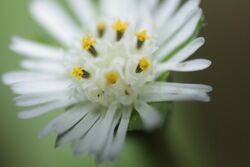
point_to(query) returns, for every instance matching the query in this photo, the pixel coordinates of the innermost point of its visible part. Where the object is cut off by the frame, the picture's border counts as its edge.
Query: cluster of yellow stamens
(88, 42)
(120, 26)
(79, 73)
(101, 27)
(142, 36)
(112, 77)
(143, 65)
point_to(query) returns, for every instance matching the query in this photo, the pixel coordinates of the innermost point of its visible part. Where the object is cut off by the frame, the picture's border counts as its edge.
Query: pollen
(120, 26)
(142, 36)
(79, 73)
(88, 42)
(143, 65)
(112, 77)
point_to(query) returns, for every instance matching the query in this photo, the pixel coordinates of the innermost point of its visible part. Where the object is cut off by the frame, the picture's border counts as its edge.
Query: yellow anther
(101, 26)
(143, 35)
(112, 77)
(120, 26)
(88, 42)
(143, 65)
(79, 73)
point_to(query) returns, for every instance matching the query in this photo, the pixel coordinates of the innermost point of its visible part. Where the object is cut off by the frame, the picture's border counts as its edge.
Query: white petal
(35, 50)
(31, 100)
(53, 18)
(187, 51)
(105, 155)
(102, 134)
(85, 11)
(69, 119)
(178, 21)
(120, 134)
(151, 117)
(42, 87)
(188, 66)
(150, 4)
(80, 129)
(159, 92)
(181, 36)
(86, 142)
(24, 76)
(97, 136)
(166, 10)
(156, 86)
(44, 109)
(43, 66)
(110, 8)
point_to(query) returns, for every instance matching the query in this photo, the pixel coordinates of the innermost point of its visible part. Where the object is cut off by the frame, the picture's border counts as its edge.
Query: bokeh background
(215, 134)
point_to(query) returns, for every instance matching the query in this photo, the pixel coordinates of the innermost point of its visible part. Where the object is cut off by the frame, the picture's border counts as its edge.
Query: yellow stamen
(88, 42)
(112, 77)
(142, 36)
(79, 73)
(120, 26)
(143, 65)
(101, 26)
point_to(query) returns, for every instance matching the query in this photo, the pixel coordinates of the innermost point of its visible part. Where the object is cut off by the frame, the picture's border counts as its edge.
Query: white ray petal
(24, 76)
(53, 18)
(35, 50)
(85, 11)
(178, 21)
(166, 10)
(120, 134)
(31, 100)
(107, 6)
(35, 87)
(80, 129)
(160, 97)
(150, 4)
(105, 126)
(160, 92)
(151, 118)
(97, 136)
(181, 36)
(105, 155)
(45, 109)
(86, 142)
(187, 66)
(44, 66)
(165, 86)
(66, 120)
(186, 52)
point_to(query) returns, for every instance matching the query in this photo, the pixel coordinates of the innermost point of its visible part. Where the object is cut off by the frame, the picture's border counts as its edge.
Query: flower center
(115, 69)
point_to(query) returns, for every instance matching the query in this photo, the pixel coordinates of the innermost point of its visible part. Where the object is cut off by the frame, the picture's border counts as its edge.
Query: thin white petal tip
(24, 115)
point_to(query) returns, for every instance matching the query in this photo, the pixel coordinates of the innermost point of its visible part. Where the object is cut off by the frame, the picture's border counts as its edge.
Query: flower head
(100, 80)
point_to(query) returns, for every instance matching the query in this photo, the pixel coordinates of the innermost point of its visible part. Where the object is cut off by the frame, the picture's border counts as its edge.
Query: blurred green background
(215, 134)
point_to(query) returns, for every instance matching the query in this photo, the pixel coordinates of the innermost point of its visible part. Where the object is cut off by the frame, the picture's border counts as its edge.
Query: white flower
(107, 68)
